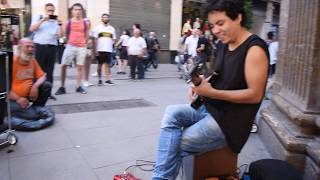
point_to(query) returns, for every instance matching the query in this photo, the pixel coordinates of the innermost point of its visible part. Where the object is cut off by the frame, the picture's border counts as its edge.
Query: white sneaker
(94, 74)
(86, 84)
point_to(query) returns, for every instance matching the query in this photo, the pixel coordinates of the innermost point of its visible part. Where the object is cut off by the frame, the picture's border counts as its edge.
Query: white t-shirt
(105, 36)
(136, 45)
(192, 43)
(124, 40)
(273, 52)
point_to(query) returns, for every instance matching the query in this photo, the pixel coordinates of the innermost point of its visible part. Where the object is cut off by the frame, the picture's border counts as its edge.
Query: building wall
(162, 16)
(37, 6)
(151, 15)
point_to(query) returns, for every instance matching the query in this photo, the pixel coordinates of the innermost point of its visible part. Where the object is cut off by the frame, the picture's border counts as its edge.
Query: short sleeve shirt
(192, 43)
(24, 76)
(124, 39)
(273, 52)
(47, 33)
(136, 45)
(105, 36)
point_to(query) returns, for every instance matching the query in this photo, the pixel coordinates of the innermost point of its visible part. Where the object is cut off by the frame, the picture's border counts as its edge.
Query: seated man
(28, 79)
(232, 97)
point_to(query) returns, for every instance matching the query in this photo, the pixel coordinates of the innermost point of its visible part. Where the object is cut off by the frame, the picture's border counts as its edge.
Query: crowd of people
(196, 46)
(84, 43)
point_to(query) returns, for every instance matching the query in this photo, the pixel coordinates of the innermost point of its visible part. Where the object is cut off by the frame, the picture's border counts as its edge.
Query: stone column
(290, 125)
(268, 21)
(175, 23)
(62, 10)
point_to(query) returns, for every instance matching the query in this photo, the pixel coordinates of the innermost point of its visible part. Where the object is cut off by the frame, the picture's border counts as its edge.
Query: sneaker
(81, 90)
(100, 83)
(87, 84)
(108, 82)
(52, 97)
(60, 91)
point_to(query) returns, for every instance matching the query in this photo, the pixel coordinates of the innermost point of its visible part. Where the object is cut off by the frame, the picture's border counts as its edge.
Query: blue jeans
(184, 131)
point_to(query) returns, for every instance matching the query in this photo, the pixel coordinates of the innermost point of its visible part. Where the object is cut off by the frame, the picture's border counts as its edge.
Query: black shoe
(52, 97)
(81, 90)
(100, 83)
(60, 91)
(108, 82)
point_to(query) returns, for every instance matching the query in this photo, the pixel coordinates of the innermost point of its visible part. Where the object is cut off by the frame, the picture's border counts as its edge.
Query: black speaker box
(3, 78)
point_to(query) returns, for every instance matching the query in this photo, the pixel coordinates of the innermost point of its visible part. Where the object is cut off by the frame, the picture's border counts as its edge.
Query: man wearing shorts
(77, 29)
(105, 36)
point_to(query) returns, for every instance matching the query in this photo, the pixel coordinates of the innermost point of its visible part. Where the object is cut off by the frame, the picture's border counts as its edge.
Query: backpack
(273, 169)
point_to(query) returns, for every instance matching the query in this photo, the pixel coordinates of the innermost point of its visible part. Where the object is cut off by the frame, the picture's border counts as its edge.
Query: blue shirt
(47, 33)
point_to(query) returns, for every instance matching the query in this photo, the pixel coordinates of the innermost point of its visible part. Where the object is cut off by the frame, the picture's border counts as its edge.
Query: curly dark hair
(232, 8)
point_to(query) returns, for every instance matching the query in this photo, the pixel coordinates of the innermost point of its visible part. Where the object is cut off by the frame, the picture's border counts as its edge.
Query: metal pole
(8, 92)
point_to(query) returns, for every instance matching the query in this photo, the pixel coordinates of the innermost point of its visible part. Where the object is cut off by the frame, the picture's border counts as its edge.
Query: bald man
(28, 80)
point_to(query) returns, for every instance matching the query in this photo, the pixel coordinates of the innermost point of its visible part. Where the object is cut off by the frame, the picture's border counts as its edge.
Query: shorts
(104, 57)
(272, 69)
(71, 53)
(124, 53)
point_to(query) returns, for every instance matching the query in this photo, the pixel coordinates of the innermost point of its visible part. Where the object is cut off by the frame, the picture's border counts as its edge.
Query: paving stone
(56, 165)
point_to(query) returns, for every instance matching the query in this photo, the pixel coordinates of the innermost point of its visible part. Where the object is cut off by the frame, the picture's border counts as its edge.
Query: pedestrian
(232, 97)
(273, 53)
(197, 24)
(153, 46)
(136, 50)
(190, 47)
(122, 45)
(90, 56)
(105, 36)
(211, 52)
(77, 30)
(29, 85)
(187, 29)
(46, 29)
(202, 47)
(206, 29)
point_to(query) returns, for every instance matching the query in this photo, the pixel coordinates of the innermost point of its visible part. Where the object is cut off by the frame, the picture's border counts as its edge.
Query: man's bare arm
(39, 81)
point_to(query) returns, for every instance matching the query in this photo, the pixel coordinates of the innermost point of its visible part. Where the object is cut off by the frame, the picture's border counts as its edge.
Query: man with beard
(28, 80)
(104, 35)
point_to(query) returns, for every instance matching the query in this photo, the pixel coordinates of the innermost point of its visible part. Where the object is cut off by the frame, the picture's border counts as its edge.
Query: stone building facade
(290, 126)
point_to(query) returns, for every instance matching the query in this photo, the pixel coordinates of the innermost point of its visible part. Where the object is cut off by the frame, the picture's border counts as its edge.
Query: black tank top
(235, 119)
